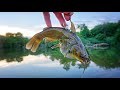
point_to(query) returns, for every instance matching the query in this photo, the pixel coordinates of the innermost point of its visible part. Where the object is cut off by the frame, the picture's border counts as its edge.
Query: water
(51, 64)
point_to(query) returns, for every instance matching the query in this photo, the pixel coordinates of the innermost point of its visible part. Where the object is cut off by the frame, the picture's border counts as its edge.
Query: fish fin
(35, 45)
(55, 46)
(72, 27)
(68, 51)
(34, 42)
(48, 39)
(65, 55)
(30, 43)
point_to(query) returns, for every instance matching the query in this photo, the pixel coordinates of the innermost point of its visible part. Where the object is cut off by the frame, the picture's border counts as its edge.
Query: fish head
(76, 53)
(70, 49)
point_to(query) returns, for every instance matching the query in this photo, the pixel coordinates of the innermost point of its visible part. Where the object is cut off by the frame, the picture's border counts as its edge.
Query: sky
(30, 23)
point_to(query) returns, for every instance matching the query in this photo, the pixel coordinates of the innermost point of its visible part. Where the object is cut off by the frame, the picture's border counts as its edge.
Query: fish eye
(82, 56)
(68, 51)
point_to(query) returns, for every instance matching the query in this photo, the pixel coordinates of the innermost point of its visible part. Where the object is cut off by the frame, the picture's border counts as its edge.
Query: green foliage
(85, 32)
(108, 29)
(96, 30)
(13, 40)
(117, 37)
(94, 40)
(107, 59)
(107, 33)
(110, 40)
(100, 36)
(78, 34)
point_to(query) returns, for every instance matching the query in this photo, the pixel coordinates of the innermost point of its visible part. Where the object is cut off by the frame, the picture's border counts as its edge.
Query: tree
(18, 34)
(81, 26)
(85, 32)
(117, 36)
(2, 39)
(108, 29)
(9, 34)
(100, 36)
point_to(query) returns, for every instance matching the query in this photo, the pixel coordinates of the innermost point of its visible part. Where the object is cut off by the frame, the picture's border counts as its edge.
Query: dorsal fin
(72, 27)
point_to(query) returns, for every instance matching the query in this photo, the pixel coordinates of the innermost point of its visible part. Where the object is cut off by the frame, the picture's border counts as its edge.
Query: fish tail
(30, 43)
(35, 45)
(34, 42)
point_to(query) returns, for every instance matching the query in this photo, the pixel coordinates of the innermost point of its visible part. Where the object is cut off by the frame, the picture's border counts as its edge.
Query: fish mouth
(79, 57)
(83, 60)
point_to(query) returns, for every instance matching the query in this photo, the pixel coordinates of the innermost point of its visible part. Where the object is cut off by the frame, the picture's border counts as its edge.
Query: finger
(47, 19)
(68, 15)
(60, 18)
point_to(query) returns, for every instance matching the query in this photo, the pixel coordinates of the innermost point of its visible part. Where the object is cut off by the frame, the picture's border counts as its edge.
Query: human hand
(60, 17)
(68, 15)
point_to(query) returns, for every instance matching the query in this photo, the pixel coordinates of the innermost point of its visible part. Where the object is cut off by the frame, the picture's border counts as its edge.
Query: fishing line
(83, 71)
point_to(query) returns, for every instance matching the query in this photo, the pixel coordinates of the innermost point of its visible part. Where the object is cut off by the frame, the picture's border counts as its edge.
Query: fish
(71, 46)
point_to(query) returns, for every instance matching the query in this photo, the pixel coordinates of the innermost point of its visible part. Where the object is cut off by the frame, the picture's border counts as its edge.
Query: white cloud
(28, 31)
(39, 60)
(24, 31)
(92, 24)
(4, 64)
(52, 64)
(39, 28)
(89, 24)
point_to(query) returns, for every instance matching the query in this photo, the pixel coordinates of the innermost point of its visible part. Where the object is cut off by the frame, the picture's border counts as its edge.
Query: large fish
(70, 44)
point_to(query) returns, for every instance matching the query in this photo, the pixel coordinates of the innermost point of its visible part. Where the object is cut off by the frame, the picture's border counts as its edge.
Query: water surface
(105, 63)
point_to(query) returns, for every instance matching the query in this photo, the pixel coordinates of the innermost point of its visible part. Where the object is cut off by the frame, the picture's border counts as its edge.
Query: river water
(105, 63)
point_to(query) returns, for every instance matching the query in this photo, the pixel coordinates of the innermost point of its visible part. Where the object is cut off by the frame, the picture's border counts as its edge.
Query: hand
(59, 15)
(68, 15)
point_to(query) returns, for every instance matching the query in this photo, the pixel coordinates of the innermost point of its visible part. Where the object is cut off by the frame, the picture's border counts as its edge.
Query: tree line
(13, 40)
(108, 32)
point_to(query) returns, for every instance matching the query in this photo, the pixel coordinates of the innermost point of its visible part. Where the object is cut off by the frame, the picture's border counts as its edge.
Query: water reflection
(12, 55)
(53, 55)
(106, 59)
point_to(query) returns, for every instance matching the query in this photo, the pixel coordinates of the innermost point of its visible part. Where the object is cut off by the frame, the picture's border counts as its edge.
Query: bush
(117, 36)
(100, 36)
(110, 40)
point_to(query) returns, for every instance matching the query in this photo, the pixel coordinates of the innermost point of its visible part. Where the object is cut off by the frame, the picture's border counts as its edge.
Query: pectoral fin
(48, 39)
(55, 46)
(68, 51)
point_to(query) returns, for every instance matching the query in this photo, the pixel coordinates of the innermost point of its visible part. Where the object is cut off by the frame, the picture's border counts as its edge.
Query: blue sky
(30, 23)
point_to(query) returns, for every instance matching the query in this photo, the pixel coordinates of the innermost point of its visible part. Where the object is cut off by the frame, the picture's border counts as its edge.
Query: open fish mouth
(77, 55)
